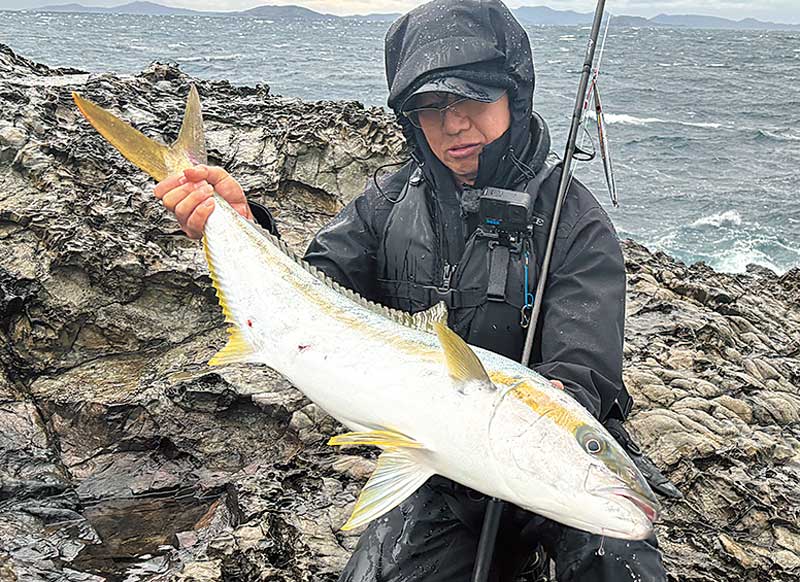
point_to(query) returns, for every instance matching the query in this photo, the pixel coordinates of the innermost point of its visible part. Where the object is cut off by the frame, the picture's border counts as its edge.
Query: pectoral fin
(397, 476)
(463, 364)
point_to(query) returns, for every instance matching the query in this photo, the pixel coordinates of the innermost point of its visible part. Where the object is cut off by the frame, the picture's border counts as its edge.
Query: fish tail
(158, 160)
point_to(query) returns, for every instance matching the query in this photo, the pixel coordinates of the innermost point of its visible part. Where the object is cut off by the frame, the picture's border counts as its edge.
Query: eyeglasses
(432, 116)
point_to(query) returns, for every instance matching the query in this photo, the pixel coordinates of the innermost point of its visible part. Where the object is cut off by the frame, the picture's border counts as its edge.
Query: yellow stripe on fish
(538, 400)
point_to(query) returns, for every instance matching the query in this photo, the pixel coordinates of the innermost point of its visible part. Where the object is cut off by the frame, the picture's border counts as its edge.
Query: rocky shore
(124, 457)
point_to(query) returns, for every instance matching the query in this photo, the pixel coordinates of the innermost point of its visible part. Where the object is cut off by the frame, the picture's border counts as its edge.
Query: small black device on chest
(504, 219)
(505, 216)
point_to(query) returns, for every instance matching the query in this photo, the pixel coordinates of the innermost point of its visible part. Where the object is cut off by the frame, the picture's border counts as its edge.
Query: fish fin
(463, 364)
(147, 154)
(396, 477)
(378, 438)
(426, 320)
(238, 349)
(191, 140)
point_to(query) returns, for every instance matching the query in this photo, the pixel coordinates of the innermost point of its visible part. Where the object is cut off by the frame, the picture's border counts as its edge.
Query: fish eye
(591, 441)
(593, 446)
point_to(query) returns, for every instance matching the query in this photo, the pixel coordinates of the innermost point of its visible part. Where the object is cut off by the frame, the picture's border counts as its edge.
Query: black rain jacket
(580, 336)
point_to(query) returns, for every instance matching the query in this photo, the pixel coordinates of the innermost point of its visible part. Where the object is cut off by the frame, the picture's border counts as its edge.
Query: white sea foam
(784, 136)
(623, 119)
(231, 57)
(736, 261)
(727, 218)
(208, 58)
(751, 251)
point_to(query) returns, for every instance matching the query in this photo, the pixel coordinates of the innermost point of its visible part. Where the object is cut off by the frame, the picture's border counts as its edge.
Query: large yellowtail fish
(407, 384)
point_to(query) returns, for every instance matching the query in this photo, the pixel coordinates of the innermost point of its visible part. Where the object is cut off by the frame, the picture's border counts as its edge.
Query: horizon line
(124, 3)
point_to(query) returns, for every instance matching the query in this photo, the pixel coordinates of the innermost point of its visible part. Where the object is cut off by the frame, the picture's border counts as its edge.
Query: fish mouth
(649, 507)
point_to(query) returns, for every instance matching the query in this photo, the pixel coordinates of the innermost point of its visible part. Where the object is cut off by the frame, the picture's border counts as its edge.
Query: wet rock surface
(124, 457)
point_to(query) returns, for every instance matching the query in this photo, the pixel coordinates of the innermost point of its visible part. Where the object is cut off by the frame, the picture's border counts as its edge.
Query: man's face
(459, 133)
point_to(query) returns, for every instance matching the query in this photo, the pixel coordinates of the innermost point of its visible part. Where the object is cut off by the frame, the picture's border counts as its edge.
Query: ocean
(704, 125)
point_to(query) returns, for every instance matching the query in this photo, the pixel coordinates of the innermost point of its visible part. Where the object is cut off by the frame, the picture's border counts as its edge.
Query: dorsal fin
(462, 363)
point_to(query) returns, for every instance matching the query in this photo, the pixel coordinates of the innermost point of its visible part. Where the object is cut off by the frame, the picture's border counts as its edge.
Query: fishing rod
(565, 181)
(494, 509)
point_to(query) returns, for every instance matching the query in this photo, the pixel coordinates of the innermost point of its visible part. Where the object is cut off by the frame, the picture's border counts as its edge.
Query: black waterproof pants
(433, 537)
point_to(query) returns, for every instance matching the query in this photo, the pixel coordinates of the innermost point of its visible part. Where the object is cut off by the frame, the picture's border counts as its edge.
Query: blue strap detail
(527, 308)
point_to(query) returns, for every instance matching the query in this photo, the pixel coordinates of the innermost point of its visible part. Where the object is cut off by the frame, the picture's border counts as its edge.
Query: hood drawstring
(526, 170)
(402, 193)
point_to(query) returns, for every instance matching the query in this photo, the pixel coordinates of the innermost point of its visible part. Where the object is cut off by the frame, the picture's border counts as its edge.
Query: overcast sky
(775, 10)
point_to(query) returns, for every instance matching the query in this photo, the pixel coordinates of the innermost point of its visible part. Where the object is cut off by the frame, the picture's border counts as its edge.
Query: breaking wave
(782, 136)
(736, 261)
(757, 251)
(209, 58)
(622, 119)
(727, 218)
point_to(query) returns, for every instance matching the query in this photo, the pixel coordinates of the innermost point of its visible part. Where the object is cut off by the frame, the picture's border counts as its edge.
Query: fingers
(196, 222)
(558, 384)
(225, 185)
(168, 184)
(186, 207)
(188, 196)
(175, 196)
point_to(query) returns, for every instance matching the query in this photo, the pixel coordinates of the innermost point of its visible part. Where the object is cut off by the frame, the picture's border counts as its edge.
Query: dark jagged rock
(123, 456)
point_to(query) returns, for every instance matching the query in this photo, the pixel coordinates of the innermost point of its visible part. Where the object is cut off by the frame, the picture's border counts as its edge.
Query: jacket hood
(477, 40)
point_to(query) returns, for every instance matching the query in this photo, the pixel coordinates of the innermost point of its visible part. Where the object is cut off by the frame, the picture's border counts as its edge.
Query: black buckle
(443, 294)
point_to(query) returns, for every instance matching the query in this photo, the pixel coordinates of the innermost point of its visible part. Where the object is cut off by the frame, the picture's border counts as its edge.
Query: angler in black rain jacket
(416, 239)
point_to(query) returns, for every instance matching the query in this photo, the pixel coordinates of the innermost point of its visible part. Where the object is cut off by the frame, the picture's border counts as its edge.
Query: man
(461, 80)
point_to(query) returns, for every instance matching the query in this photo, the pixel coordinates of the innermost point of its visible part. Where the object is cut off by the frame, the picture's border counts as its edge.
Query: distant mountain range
(536, 15)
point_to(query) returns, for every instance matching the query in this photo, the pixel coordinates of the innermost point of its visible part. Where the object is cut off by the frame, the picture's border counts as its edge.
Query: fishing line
(589, 95)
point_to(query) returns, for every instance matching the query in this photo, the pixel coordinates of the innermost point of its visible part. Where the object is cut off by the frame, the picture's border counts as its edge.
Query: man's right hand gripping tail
(188, 196)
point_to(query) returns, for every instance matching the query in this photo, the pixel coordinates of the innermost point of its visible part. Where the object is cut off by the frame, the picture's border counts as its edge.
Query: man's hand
(188, 196)
(557, 384)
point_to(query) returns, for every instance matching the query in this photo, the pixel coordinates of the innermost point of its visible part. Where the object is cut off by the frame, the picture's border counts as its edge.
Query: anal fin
(397, 476)
(377, 438)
